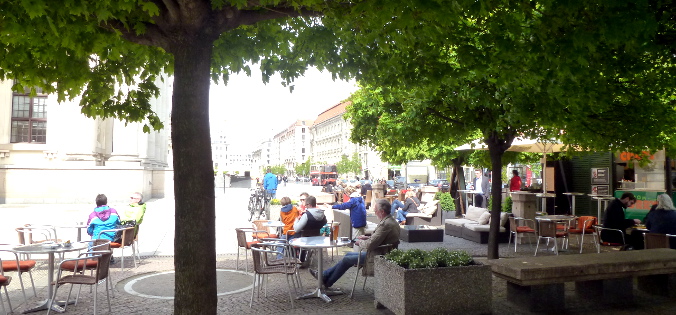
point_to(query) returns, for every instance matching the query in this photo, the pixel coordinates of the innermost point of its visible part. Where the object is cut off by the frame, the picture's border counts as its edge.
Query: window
(303, 150)
(29, 118)
(302, 130)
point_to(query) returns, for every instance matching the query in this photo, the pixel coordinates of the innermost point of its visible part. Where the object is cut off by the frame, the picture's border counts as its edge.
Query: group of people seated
(660, 219)
(106, 218)
(307, 219)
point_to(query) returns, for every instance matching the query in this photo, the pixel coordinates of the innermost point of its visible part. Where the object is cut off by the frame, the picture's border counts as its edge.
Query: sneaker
(313, 272)
(112, 260)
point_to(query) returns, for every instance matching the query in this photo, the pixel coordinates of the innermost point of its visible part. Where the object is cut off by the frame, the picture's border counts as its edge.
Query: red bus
(315, 172)
(329, 174)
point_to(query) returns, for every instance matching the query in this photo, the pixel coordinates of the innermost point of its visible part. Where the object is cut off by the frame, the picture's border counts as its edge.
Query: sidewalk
(148, 288)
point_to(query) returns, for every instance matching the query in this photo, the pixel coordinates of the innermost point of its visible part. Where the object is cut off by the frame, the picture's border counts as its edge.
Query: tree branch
(153, 36)
(444, 117)
(230, 18)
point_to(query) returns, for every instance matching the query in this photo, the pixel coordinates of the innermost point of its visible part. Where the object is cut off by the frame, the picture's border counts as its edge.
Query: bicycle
(259, 204)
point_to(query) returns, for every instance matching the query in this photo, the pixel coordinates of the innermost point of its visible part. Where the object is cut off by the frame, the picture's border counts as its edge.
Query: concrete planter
(449, 290)
(274, 212)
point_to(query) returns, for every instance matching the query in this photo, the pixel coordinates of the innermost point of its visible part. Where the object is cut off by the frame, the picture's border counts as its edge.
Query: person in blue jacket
(102, 218)
(357, 209)
(270, 183)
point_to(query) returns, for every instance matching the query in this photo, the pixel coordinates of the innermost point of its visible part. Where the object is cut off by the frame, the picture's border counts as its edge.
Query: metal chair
(127, 241)
(262, 269)
(20, 267)
(598, 231)
(583, 225)
(655, 240)
(81, 266)
(384, 249)
(520, 226)
(547, 229)
(242, 242)
(100, 274)
(4, 282)
(261, 230)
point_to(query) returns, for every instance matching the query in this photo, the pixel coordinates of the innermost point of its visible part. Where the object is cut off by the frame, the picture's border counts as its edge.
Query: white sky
(252, 110)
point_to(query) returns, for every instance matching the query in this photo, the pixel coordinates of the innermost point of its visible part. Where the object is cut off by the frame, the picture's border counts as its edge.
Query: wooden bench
(537, 283)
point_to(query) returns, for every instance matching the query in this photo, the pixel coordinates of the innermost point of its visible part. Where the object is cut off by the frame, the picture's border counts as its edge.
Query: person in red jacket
(515, 181)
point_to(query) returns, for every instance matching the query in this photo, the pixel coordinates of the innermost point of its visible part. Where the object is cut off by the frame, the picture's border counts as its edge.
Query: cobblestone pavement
(134, 287)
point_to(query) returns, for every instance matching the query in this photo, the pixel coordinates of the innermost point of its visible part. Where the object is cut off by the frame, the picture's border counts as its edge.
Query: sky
(252, 111)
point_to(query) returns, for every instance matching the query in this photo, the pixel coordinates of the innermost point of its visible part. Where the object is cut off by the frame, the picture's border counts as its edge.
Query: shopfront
(645, 180)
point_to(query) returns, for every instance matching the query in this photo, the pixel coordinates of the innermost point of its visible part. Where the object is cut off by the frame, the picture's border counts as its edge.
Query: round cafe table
(572, 204)
(318, 243)
(37, 249)
(275, 224)
(602, 203)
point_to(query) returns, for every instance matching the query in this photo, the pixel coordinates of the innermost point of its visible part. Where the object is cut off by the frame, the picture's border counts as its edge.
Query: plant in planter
(447, 204)
(432, 282)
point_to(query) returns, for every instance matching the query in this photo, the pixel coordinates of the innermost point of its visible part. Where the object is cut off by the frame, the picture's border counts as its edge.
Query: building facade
(51, 153)
(291, 146)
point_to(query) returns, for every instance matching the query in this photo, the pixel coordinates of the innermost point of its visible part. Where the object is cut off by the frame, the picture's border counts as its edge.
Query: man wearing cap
(357, 209)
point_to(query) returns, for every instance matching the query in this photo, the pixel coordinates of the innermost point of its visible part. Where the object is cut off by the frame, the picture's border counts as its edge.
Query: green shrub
(507, 205)
(439, 257)
(446, 201)
(275, 202)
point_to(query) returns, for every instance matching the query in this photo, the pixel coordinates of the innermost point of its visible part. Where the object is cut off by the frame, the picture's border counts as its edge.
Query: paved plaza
(148, 288)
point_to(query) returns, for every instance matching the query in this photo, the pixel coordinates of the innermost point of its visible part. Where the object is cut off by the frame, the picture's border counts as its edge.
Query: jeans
(280, 249)
(273, 193)
(396, 205)
(334, 273)
(401, 215)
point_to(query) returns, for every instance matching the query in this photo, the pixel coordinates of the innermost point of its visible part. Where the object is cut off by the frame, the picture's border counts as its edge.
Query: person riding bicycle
(270, 183)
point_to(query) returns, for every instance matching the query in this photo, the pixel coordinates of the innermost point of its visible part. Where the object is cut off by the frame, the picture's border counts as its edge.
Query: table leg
(58, 305)
(598, 215)
(321, 292)
(572, 209)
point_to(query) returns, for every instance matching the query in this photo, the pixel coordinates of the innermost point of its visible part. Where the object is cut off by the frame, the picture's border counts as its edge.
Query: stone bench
(537, 283)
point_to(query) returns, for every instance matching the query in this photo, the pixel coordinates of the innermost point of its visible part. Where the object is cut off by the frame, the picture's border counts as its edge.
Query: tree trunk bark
(497, 146)
(195, 240)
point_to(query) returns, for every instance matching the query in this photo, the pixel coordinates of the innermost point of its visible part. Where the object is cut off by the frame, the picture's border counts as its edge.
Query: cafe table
(391, 198)
(50, 250)
(572, 196)
(317, 244)
(559, 219)
(279, 225)
(79, 226)
(602, 203)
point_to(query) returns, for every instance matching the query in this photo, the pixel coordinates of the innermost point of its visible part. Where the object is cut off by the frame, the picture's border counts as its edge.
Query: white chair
(4, 282)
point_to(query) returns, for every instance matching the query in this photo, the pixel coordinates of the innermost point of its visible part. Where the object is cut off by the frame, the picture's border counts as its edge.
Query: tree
(112, 52)
(303, 169)
(278, 169)
(495, 68)
(349, 165)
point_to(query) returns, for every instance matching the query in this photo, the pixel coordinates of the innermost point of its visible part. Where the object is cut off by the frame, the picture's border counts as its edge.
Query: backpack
(122, 225)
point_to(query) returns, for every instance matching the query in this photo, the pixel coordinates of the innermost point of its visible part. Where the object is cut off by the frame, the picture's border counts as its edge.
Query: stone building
(51, 153)
(291, 146)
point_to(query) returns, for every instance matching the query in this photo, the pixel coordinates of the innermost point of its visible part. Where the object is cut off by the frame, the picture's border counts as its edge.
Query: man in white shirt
(481, 185)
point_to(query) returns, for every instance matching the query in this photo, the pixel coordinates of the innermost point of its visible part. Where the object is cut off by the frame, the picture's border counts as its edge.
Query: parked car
(390, 184)
(437, 182)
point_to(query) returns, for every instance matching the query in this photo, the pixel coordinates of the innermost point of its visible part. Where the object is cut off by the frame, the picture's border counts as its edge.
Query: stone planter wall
(450, 290)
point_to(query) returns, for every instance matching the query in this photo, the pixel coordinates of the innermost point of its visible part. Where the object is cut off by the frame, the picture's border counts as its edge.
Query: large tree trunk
(497, 145)
(195, 240)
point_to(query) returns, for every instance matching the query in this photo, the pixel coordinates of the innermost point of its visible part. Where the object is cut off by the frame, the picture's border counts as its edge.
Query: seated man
(308, 224)
(102, 218)
(614, 218)
(387, 232)
(134, 212)
(312, 220)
